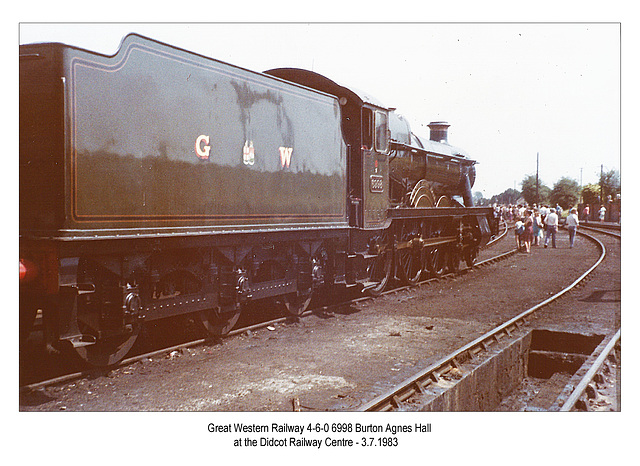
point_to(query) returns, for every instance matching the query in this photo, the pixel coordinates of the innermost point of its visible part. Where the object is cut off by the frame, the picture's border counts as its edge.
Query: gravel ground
(340, 360)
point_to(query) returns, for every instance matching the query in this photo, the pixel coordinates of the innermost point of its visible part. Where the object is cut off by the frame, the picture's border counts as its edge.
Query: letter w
(285, 156)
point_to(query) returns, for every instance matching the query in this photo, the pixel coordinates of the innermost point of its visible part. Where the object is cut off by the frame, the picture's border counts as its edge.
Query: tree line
(566, 192)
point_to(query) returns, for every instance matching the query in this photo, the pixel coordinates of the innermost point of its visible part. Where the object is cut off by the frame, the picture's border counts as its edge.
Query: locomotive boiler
(158, 182)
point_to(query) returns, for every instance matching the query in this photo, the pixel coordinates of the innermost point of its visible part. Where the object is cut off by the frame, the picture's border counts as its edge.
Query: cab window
(367, 129)
(382, 132)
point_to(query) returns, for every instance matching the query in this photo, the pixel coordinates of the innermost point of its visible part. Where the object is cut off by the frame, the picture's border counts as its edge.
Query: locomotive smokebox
(439, 131)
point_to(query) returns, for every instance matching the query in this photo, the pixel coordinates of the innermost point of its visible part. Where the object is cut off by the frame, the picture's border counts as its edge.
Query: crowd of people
(537, 225)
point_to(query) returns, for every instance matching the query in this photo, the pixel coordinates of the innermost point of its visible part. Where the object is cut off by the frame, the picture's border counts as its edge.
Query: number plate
(376, 184)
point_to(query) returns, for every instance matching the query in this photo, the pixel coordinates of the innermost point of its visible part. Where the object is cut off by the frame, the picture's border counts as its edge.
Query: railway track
(586, 389)
(603, 226)
(69, 377)
(394, 337)
(605, 231)
(416, 385)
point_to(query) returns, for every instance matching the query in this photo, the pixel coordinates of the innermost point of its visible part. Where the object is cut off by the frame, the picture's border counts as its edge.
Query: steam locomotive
(158, 182)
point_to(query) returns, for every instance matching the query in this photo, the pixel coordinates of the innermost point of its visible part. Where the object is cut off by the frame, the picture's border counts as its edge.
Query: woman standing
(527, 236)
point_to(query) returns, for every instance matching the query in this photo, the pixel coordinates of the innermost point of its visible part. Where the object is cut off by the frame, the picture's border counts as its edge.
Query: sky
(509, 91)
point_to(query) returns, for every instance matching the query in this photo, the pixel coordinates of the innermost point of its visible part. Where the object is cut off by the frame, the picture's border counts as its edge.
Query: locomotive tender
(158, 182)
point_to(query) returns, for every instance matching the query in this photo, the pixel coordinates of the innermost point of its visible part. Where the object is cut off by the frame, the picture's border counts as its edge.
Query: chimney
(439, 131)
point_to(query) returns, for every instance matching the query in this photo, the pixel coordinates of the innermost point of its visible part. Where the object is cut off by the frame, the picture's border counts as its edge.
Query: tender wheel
(117, 338)
(108, 351)
(379, 273)
(218, 322)
(108, 315)
(296, 303)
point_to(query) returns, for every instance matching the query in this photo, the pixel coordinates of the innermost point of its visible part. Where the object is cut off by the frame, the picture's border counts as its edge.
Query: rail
(501, 235)
(417, 383)
(577, 393)
(609, 232)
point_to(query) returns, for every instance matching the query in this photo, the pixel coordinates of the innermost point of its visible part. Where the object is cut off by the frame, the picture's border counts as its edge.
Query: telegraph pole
(601, 180)
(581, 185)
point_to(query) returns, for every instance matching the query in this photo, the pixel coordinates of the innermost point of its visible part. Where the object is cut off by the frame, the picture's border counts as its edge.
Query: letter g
(202, 151)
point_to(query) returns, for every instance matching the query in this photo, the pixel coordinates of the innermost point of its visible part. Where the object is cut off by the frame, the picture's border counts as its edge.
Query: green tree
(565, 192)
(610, 183)
(591, 194)
(510, 196)
(545, 194)
(529, 191)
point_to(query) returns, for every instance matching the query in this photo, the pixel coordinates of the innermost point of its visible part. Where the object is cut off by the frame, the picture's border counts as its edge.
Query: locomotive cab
(374, 171)
(365, 129)
(402, 190)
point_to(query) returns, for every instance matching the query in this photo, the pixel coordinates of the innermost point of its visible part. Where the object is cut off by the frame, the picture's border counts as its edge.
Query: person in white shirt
(602, 212)
(552, 227)
(572, 225)
(544, 210)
